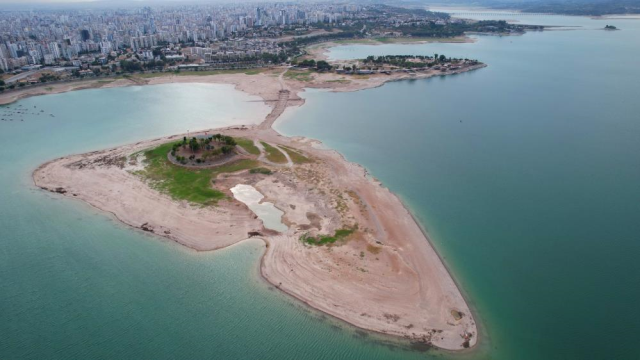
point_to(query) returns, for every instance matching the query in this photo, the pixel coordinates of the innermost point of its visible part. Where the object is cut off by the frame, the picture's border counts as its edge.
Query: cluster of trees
(130, 66)
(194, 144)
(431, 29)
(280, 57)
(409, 61)
(48, 77)
(133, 65)
(319, 65)
(227, 140)
(11, 86)
(307, 63)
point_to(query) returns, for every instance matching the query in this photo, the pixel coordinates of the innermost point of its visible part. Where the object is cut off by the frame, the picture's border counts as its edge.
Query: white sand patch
(137, 164)
(270, 215)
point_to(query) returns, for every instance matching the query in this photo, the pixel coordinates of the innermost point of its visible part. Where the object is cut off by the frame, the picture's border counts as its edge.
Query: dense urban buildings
(88, 42)
(63, 44)
(77, 37)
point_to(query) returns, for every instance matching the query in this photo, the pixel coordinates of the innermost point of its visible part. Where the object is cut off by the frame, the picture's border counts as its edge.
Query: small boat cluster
(17, 112)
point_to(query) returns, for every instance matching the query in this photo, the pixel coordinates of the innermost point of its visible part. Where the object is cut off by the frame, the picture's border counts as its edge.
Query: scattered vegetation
(295, 156)
(373, 249)
(248, 146)
(457, 315)
(298, 75)
(320, 240)
(273, 154)
(261, 170)
(201, 73)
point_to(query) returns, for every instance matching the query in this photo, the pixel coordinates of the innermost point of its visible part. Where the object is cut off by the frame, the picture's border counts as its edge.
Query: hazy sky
(17, 3)
(41, 1)
(119, 2)
(108, 1)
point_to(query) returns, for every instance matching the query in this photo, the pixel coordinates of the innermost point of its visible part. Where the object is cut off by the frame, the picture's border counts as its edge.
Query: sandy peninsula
(320, 51)
(383, 275)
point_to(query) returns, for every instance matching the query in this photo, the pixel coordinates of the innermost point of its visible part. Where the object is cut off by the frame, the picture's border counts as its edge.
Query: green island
(187, 169)
(185, 183)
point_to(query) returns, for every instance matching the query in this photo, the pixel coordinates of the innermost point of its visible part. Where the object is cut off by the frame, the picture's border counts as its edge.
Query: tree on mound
(227, 149)
(194, 145)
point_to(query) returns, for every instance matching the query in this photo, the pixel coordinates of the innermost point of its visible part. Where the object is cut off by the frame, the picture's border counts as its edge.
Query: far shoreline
(317, 51)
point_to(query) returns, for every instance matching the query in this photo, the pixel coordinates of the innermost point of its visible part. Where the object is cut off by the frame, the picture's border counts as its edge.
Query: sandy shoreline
(320, 51)
(389, 279)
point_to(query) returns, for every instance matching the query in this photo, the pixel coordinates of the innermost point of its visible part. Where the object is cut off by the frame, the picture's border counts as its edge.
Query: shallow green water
(526, 174)
(76, 284)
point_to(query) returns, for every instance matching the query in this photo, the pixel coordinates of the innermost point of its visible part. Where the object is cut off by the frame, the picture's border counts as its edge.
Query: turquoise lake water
(76, 284)
(526, 175)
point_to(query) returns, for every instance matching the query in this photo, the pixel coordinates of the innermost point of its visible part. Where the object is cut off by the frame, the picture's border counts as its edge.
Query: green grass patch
(299, 75)
(295, 155)
(273, 154)
(193, 185)
(248, 146)
(345, 81)
(320, 240)
(261, 170)
(242, 164)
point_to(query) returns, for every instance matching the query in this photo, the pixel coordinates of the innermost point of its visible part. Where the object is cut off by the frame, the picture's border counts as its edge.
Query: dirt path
(278, 109)
(286, 154)
(263, 156)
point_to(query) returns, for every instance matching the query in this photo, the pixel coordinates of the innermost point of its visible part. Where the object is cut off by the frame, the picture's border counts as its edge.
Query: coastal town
(49, 46)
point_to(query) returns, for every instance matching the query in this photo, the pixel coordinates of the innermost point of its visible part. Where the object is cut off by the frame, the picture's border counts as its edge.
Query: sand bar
(385, 276)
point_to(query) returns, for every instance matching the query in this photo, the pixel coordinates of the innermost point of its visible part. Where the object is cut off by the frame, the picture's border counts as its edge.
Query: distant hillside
(564, 7)
(576, 7)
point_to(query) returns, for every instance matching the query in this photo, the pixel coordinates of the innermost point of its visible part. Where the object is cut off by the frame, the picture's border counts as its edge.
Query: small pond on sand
(270, 215)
